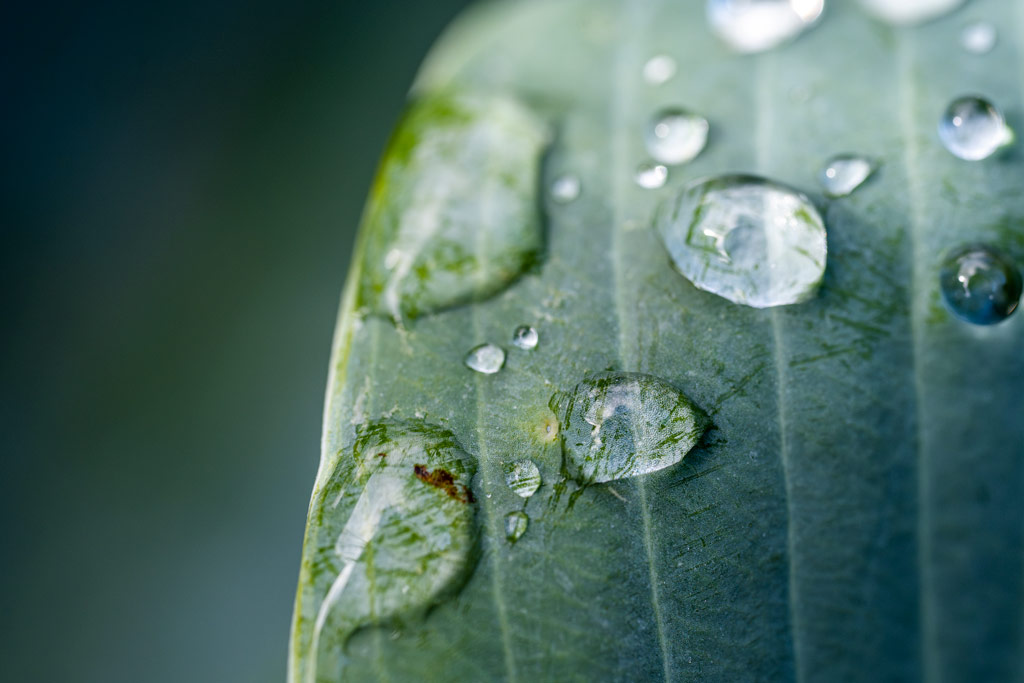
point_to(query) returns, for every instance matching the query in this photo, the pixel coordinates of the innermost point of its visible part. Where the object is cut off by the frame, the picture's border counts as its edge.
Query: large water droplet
(486, 358)
(978, 37)
(748, 239)
(565, 188)
(980, 284)
(972, 128)
(756, 25)
(676, 136)
(659, 69)
(515, 525)
(844, 173)
(523, 477)
(525, 337)
(651, 176)
(905, 12)
(623, 425)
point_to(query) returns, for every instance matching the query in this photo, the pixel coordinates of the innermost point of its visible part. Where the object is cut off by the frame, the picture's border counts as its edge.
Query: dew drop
(651, 176)
(844, 173)
(973, 128)
(903, 12)
(659, 69)
(747, 239)
(758, 25)
(978, 37)
(486, 358)
(676, 136)
(980, 284)
(515, 525)
(523, 477)
(525, 337)
(565, 188)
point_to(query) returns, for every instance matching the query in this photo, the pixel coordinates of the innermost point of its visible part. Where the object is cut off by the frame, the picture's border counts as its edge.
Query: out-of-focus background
(181, 186)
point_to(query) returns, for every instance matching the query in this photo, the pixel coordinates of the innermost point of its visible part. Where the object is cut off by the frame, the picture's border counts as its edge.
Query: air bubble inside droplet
(523, 477)
(659, 69)
(486, 358)
(525, 337)
(980, 284)
(758, 25)
(973, 128)
(565, 188)
(651, 176)
(979, 37)
(515, 525)
(676, 136)
(844, 173)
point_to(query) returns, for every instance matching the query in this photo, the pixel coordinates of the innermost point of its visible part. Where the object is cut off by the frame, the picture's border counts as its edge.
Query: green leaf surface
(855, 510)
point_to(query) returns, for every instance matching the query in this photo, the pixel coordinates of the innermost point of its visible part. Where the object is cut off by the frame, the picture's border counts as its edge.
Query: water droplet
(659, 69)
(978, 37)
(523, 477)
(676, 136)
(525, 337)
(565, 188)
(972, 128)
(844, 173)
(747, 239)
(651, 176)
(486, 358)
(515, 525)
(980, 284)
(623, 425)
(757, 25)
(905, 12)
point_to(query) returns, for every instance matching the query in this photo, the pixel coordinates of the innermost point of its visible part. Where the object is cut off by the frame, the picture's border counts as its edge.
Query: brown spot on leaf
(443, 479)
(381, 455)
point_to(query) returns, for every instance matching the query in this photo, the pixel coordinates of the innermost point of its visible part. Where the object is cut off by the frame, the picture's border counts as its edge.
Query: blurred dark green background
(181, 186)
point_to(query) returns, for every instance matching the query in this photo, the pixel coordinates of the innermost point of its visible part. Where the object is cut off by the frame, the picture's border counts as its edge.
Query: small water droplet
(978, 37)
(980, 284)
(515, 525)
(676, 136)
(565, 188)
(651, 176)
(905, 12)
(973, 128)
(525, 337)
(486, 358)
(747, 239)
(659, 69)
(523, 477)
(844, 173)
(757, 25)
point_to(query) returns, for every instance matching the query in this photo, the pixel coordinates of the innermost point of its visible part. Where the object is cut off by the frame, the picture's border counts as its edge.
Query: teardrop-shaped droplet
(676, 136)
(565, 188)
(980, 284)
(651, 176)
(616, 426)
(523, 477)
(844, 173)
(978, 37)
(515, 525)
(904, 12)
(973, 128)
(525, 337)
(659, 69)
(757, 25)
(747, 239)
(486, 358)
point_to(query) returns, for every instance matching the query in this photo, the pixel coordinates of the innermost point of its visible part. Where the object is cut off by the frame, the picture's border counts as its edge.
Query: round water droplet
(972, 128)
(651, 176)
(486, 358)
(523, 477)
(747, 239)
(980, 284)
(515, 525)
(757, 25)
(978, 37)
(903, 12)
(659, 69)
(565, 188)
(844, 173)
(525, 337)
(676, 136)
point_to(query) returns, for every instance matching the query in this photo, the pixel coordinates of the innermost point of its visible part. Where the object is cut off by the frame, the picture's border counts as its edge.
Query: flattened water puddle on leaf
(903, 12)
(453, 214)
(404, 529)
(758, 25)
(980, 284)
(747, 239)
(620, 425)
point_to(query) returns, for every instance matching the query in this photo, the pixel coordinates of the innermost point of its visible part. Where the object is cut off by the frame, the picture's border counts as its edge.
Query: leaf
(855, 511)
